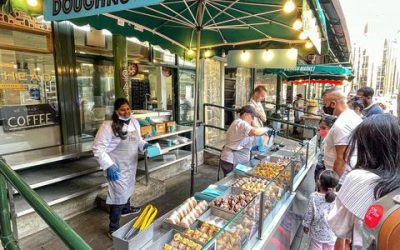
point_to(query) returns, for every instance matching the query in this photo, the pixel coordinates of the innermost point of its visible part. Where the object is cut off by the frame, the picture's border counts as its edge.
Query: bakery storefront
(28, 90)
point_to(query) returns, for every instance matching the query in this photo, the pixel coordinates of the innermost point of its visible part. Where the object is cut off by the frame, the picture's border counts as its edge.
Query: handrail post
(12, 210)
(58, 225)
(7, 238)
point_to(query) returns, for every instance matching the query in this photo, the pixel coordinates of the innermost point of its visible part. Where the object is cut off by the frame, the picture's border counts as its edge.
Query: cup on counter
(169, 143)
(171, 129)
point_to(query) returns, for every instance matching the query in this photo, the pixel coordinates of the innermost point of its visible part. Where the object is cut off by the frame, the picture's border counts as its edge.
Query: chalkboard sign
(28, 117)
(139, 90)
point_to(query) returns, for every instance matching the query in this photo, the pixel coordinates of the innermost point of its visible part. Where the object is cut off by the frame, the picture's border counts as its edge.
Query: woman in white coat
(240, 139)
(116, 148)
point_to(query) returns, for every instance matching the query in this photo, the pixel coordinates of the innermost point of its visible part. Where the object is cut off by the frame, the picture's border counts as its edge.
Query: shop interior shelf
(63, 191)
(178, 130)
(158, 162)
(52, 173)
(165, 150)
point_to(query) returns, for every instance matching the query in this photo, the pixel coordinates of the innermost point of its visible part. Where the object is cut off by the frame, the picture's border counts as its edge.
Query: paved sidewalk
(93, 225)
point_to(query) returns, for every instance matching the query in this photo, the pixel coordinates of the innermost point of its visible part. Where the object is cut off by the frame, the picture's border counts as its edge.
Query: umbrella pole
(193, 166)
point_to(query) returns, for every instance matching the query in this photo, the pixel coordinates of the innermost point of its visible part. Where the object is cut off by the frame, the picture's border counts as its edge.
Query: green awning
(316, 71)
(172, 24)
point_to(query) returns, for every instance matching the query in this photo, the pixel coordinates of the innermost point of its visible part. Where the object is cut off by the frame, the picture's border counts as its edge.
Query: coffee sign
(60, 10)
(28, 116)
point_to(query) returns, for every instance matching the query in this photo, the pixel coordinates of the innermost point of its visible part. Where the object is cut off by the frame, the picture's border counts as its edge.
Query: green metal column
(67, 84)
(120, 63)
(278, 92)
(7, 237)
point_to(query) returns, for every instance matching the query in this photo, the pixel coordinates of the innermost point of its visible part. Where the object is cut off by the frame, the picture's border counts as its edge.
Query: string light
(190, 52)
(308, 45)
(303, 35)
(245, 56)
(268, 55)
(207, 53)
(289, 6)
(298, 24)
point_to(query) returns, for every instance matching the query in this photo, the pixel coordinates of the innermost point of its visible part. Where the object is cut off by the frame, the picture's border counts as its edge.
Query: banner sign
(60, 10)
(310, 26)
(28, 117)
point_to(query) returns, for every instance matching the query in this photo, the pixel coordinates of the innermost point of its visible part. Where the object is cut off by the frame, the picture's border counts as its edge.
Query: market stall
(242, 211)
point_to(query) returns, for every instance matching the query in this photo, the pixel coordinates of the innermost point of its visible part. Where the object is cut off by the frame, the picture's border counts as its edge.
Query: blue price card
(243, 168)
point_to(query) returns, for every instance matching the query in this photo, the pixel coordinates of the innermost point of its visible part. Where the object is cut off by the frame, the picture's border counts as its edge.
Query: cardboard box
(144, 130)
(168, 126)
(160, 128)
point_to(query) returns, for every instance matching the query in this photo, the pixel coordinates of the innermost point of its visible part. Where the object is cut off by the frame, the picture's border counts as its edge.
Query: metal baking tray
(135, 243)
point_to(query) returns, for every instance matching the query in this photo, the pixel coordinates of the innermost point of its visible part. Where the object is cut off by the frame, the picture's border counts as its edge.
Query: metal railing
(56, 223)
(287, 122)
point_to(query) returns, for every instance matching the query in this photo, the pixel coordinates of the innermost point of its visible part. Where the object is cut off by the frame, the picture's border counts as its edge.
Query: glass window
(96, 94)
(28, 100)
(186, 79)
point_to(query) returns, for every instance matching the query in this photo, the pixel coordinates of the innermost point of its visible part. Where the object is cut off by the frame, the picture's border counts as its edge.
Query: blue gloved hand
(254, 148)
(113, 172)
(146, 146)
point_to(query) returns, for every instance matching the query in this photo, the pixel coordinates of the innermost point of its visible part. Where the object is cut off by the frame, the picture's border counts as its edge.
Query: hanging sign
(60, 10)
(125, 81)
(311, 27)
(28, 117)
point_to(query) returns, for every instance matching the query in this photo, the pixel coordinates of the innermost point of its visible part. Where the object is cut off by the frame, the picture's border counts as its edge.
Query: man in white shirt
(255, 101)
(338, 138)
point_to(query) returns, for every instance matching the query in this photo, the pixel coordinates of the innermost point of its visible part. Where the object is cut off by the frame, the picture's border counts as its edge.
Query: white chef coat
(238, 142)
(106, 141)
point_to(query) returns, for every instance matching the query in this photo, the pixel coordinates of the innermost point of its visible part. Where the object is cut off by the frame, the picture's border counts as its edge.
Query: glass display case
(245, 213)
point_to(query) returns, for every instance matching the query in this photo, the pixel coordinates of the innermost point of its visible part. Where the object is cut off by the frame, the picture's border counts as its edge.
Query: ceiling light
(298, 24)
(289, 6)
(268, 55)
(245, 56)
(292, 53)
(32, 3)
(308, 45)
(303, 35)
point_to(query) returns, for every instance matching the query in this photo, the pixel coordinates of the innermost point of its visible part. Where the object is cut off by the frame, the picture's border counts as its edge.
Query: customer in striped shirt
(376, 173)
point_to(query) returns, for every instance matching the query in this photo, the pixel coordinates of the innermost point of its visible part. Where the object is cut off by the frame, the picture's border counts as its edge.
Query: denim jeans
(115, 215)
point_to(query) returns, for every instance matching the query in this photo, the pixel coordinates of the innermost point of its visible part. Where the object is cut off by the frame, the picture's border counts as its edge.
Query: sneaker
(109, 234)
(133, 211)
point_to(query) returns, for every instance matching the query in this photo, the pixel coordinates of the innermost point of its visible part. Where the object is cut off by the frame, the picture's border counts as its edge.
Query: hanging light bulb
(245, 56)
(289, 6)
(298, 24)
(207, 53)
(303, 35)
(32, 3)
(292, 53)
(190, 52)
(308, 45)
(268, 55)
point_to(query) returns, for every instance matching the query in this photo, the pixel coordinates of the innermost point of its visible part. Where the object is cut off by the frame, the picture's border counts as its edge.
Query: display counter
(242, 211)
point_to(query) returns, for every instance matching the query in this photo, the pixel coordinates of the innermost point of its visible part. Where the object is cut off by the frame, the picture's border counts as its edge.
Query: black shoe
(109, 234)
(132, 211)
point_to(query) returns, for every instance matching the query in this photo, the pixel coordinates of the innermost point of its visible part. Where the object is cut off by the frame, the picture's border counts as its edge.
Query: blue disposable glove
(254, 148)
(146, 146)
(113, 172)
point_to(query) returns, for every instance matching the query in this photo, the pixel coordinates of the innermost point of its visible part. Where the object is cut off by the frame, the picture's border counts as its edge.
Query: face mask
(124, 119)
(323, 132)
(328, 110)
